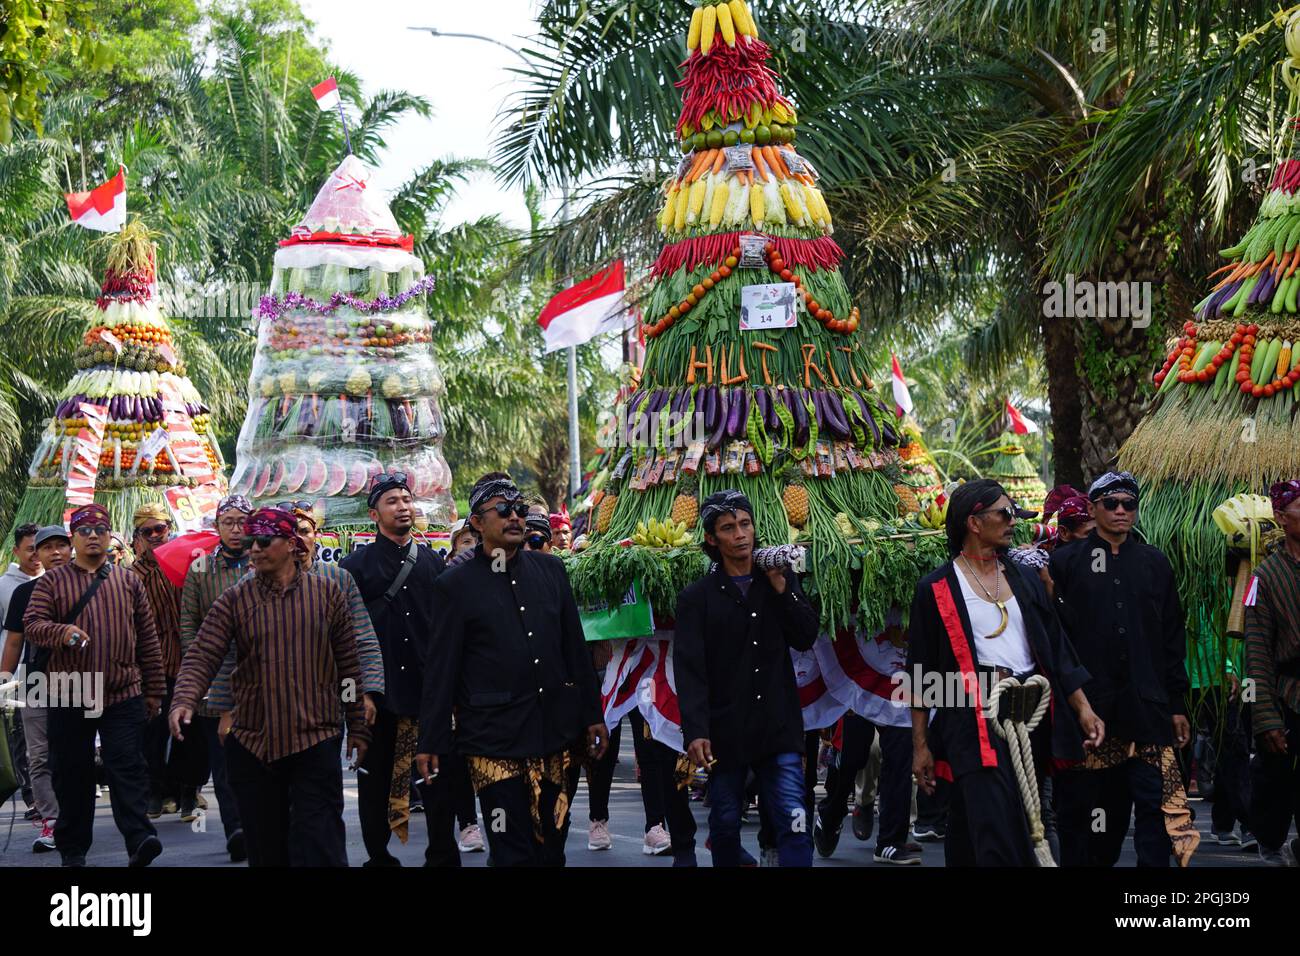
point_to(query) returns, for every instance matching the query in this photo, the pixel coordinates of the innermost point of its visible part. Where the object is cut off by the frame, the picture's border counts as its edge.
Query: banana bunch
(661, 534)
(934, 515)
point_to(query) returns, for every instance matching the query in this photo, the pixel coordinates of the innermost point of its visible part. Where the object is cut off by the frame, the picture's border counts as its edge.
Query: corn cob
(739, 19)
(1284, 359)
(693, 35)
(698, 189)
(792, 207)
(756, 204)
(679, 214)
(707, 27)
(720, 193)
(725, 26)
(670, 209)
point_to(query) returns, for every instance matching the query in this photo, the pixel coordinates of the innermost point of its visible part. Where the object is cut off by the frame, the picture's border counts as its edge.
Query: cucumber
(1207, 352)
(1243, 295)
(1269, 368)
(1279, 295)
(1224, 374)
(1257, 361)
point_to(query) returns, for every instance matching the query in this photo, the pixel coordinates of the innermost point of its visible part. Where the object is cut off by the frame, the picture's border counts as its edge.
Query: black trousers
(227, 803)
(1226, 725)
(1275, 788)
(374, 787)
(857, 736)
(72, 765)
(665, 803)
(1094, 807)
(291, 808)
(600, 777)
(508, 822)
(175, 766)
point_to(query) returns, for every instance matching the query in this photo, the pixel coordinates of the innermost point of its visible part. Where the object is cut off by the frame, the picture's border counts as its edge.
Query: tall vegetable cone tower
(1224, 421)
(755, 375)
(344, 383)
(129, 425)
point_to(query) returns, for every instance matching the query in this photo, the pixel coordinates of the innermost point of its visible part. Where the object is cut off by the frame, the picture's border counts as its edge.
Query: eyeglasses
(154, 530)
(261, 540)
(92, 531)
(302, 505)
(1110, 503)
(231, 524)
(504, 509)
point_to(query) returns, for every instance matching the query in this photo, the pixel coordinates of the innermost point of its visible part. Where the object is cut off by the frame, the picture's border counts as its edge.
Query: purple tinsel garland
(273, 307)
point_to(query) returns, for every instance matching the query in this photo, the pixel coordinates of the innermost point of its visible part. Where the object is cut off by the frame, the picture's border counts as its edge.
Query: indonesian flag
(902, 398)
(583, 311)
(326, 93)
(103, 208)
(1019, 424)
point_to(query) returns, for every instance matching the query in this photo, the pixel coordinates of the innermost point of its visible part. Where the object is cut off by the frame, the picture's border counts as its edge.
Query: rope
(1016, 734)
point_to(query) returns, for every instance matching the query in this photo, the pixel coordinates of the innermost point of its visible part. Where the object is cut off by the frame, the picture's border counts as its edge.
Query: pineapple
(605, 513)
(686, 510)
(908, 503)
(795, 500)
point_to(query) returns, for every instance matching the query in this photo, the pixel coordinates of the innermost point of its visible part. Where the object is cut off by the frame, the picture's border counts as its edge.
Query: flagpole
(575, 451)
(343, 117)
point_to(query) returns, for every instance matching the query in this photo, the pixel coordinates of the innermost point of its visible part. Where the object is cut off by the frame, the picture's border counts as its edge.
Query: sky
(464, 80)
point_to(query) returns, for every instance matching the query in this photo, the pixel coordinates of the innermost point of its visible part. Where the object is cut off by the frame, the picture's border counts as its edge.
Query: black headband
(722, 502)
(539, 524)
(381, 488)
(487, 490)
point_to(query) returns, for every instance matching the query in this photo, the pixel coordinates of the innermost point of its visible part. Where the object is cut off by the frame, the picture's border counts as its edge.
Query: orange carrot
(1229, 266)
(696, 163)
(704, 166)
(760, 166)
(718, 161)
(1294, 262)
(775, 161)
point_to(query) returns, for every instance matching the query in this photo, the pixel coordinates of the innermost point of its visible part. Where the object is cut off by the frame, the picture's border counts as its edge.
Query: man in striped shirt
(209, 576)
(111, 641)
(1273, 666)
(173, 779)
(296, 646)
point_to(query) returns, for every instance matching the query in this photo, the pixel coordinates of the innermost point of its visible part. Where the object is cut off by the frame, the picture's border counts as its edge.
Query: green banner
(632, 618)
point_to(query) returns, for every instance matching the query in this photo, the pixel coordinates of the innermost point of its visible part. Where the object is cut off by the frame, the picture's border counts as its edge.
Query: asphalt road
(203, 845)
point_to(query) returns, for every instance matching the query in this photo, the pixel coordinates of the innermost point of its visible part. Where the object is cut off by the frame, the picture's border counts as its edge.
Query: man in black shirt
(736, 685)
(508, 656)
(54, 550)
(403, 622)
(1118, 601)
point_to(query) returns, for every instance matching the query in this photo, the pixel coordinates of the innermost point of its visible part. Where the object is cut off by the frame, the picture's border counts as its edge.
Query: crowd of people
(460, 685)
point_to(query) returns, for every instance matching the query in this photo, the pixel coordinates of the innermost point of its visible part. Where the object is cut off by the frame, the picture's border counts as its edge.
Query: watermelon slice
(317, 476)
(440, 473)
(296, 476)
(262, 481)
(421, 481)
(243, 480)
(374, 468)
(337, 481)
(358, 478)
(277, 479)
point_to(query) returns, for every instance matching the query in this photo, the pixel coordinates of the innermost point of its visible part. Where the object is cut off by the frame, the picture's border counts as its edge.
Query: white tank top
(1010, 649)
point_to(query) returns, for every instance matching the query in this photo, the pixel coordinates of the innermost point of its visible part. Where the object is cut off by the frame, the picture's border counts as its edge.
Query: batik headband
(723, 502)
(496, 488)
(1112, 482)
(1282, 493)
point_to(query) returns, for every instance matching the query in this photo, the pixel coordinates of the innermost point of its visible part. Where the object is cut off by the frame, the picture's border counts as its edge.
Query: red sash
(961, 651)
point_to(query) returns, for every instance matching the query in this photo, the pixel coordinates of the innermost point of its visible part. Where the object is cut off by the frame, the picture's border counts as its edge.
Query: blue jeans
(780, 793)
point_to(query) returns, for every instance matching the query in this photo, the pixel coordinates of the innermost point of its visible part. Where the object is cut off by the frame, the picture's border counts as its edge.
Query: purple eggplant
(771, 419)
(764, 403)
(818, 411)
(706, 406)
(739, 417)
(720, 425)
(890, 436)
(800, 412)
(835, 417)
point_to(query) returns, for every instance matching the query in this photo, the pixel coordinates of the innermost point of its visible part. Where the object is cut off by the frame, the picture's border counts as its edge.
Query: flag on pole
(326, 93)
(583, 311)
(902, 397)
(1019, 424)
(103, 208)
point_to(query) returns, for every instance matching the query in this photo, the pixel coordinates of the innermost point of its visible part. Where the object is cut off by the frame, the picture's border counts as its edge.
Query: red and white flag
(326, 93)
(902, 397)
(583, 311)
(1019, 423)
(103, 208)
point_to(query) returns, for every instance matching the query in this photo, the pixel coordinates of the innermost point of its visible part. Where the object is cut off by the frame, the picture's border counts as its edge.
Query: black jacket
(1126, 622)
(955, 732)
(403, 625)
(508, 657)
(731, 660)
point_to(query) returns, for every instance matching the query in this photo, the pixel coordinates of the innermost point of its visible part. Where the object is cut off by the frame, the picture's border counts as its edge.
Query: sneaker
(45, 842)
(657, 841)
(769, 857)
(1248, 841)
(146, 852)
(1279, 857)
(33, 814)
(170, 805)
(236, 847)
(189, 808)
(155, 808)
(471, 839)
(824, 838)
(864, 821)
(926, 834)
(1228, 838)
(896, 854)
(598, 836)
(417, 806)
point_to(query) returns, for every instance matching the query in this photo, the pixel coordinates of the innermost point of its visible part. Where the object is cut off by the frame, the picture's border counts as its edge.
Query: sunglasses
(504, 509)
(301, 505)
(92, 531)
(536, 541)
(1111, 503)
(261, 540)
(383, 479)
(154, 530)
(1008, 513)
